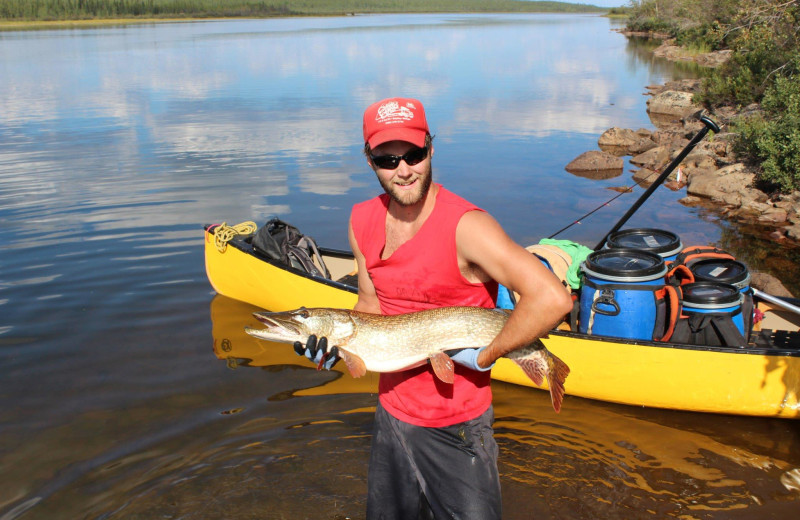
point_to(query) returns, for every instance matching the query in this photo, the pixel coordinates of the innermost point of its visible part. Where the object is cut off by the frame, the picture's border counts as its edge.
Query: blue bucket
(665, 244)
(506, 300)
(714, 298)
(617, 295)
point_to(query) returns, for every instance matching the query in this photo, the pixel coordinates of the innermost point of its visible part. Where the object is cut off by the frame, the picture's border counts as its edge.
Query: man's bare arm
(542, 303)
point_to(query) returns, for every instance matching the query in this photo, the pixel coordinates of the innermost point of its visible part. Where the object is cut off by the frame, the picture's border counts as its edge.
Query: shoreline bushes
(764, 68)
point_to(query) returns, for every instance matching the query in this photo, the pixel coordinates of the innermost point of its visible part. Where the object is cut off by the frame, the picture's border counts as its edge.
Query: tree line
(38, 10)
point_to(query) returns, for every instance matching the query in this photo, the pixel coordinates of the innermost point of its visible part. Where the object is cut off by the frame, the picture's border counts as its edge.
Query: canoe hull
(745, 381)
(678, 377)
(246, 277)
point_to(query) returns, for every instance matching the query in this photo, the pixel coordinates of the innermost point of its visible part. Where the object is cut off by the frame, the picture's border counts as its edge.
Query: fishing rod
(709, 125)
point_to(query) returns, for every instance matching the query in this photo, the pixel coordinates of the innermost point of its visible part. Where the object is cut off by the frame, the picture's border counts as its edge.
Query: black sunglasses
(390, 162)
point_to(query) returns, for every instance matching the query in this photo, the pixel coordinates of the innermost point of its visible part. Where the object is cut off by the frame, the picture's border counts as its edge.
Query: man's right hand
(317, 351)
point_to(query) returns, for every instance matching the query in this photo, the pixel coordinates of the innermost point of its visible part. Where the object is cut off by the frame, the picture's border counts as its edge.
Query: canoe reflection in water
(594, 460)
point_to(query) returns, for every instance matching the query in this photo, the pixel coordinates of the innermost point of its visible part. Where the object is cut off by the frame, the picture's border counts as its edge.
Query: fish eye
(303, 312)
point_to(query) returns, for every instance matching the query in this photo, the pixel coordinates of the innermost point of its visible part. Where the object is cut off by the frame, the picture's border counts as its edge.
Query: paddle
(777, 301)
(709, 125)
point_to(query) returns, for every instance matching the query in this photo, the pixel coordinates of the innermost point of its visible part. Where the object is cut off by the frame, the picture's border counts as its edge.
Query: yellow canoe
(762, 379)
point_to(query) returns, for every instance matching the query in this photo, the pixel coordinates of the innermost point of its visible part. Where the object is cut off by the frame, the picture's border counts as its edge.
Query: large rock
(617, 141)
(683, 85)
(641, 145)
(730, 185)
(698, 159)
(672, 103)
(721, 149)
(596, 164)
(646, 177)
(769, 284)
(670, 138)
(672, 52)
(714, 59)
(652, 159)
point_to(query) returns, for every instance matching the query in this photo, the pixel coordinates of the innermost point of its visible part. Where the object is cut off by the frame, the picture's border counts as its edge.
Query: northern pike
(392, 343)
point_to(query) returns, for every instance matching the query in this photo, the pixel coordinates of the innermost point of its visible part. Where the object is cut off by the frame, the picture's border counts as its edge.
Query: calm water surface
(120, 398)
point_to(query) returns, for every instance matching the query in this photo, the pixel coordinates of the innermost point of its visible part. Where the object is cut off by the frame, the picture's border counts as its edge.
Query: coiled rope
(225, 233)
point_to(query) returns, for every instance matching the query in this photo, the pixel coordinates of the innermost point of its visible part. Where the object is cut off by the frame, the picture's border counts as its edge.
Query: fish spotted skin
(380, 343)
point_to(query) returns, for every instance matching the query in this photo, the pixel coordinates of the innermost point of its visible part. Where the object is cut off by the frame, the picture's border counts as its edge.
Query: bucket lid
(625, 264)
(710, 293)
(720, 270)
(659, 241)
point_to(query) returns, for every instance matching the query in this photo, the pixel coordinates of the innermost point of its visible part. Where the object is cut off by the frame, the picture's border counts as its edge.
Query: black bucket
(711, 315)
(665, 244)
(731, 272)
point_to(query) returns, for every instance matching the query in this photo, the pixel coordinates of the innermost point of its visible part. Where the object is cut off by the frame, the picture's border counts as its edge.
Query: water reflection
(606, 461)
(610, 463)
(118, 144)
(238, 349)
(639, 52)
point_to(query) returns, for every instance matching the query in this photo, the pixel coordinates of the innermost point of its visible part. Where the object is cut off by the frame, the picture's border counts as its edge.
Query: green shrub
(759, 53)
(652, 24)
(772, 141)
(706, 37)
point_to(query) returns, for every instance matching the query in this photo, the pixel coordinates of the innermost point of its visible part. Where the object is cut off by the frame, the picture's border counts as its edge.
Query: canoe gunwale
(243, 243)
(746, 350)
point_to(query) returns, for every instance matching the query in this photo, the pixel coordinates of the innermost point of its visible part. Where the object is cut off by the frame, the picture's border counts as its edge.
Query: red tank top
(423, 273)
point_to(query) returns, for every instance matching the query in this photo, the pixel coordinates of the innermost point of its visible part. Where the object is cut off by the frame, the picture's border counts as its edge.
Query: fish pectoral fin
(355, 364)
(443, 367)
(534, 368)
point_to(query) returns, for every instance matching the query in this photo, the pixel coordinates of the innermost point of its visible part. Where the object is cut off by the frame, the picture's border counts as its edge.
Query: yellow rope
(225, 233)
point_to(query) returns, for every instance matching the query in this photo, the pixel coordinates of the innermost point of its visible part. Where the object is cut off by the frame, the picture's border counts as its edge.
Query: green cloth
(577, 252)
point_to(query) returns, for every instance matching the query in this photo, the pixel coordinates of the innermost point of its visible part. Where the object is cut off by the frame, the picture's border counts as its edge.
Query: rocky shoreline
(711, 174)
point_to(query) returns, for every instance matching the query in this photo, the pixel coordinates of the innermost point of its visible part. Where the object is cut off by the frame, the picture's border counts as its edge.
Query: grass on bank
(58, 10)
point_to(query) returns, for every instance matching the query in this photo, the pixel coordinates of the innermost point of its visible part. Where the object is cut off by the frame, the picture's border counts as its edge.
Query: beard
(409, 197)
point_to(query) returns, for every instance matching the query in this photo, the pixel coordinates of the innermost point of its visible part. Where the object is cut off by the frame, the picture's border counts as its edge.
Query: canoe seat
(780, 339)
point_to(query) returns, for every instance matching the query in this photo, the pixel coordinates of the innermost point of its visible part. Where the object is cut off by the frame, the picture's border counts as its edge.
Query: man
(419, 246)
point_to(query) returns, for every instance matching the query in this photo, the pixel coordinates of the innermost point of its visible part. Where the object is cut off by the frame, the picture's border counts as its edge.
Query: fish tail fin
(541, 364)
(556, 375)
(355, 364)
(443, 367)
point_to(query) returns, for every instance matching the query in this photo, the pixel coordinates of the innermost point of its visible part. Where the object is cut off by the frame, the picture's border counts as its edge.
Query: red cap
(395, 119)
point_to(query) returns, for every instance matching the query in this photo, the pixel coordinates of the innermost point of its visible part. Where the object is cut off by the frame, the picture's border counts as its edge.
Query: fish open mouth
(278, 323)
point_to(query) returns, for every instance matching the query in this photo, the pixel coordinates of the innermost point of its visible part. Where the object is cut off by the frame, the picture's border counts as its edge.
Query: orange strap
(670, 293)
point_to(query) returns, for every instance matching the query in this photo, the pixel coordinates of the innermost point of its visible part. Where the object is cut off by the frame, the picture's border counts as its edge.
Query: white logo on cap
(392, 112)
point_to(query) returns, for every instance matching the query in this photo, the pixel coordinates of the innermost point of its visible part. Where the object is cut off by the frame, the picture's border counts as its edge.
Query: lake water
(117, 144)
